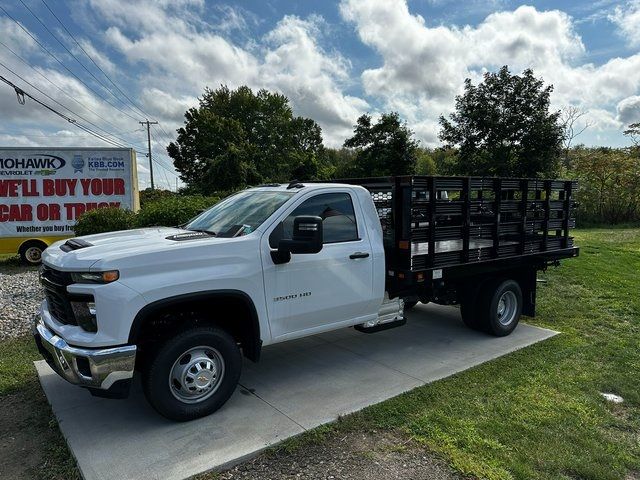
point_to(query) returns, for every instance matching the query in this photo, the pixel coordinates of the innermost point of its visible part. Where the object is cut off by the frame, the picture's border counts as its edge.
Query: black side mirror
(307, 238)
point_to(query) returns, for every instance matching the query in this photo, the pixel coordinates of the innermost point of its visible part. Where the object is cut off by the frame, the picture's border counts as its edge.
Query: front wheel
(192, 374)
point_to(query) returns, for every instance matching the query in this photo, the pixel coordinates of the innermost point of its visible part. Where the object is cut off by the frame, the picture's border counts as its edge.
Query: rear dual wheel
(496, 309)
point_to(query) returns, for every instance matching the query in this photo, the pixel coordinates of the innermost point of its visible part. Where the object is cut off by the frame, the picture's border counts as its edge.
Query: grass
(538, 413)
(534, 414)
(27, 417)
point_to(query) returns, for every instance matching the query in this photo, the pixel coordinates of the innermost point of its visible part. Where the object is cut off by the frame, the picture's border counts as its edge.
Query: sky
(108, 64)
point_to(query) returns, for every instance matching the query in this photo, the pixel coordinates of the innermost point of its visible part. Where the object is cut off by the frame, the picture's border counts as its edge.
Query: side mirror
(307, 238)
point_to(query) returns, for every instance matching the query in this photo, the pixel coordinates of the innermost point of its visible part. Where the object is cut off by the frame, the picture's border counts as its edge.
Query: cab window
(338, 218)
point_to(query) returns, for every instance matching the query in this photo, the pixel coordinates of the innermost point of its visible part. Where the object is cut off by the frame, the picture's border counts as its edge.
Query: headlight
(85, 314)
(95, 277)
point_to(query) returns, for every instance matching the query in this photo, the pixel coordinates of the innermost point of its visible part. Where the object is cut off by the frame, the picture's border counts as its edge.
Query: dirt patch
(30, 443)
(353, 455)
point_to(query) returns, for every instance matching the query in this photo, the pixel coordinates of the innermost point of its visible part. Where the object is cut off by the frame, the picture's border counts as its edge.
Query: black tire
(490, 319)
(156, 373)
(470, 315)
(31, 252)
(409, 304)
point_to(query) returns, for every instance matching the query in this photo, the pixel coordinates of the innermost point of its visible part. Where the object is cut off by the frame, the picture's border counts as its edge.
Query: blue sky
(334, 60)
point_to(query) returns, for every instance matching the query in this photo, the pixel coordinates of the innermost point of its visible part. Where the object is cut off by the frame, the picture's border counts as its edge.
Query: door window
(338, 218)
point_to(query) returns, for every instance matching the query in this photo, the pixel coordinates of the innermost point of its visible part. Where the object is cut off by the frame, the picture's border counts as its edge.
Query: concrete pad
(296, 386)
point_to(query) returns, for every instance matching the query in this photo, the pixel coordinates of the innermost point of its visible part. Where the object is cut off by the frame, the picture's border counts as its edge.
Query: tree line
(503, 126)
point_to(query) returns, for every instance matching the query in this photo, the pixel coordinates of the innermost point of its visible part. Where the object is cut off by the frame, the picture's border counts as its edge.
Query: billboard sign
(43, 191)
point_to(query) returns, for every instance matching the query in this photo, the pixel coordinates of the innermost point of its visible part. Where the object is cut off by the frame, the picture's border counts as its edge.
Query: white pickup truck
(181, 306)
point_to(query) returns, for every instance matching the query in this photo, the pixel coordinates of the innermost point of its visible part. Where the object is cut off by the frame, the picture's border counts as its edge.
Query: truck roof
(298, 186)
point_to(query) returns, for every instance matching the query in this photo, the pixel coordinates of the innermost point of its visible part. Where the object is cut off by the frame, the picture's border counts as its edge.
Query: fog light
(85, 314)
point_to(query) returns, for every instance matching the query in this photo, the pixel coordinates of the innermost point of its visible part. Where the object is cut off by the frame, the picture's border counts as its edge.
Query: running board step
(381, 326)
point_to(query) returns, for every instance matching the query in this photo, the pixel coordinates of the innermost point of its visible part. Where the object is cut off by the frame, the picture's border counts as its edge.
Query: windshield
(239, 214)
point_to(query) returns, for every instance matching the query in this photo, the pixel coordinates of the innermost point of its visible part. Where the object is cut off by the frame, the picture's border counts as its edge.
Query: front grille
(60, 308)
(55, 285)
(56, 278)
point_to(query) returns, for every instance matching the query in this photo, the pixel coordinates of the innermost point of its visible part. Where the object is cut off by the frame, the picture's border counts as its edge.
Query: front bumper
(100, 369)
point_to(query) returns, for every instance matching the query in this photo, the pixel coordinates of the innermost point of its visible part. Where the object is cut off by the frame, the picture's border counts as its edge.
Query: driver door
(318, 292)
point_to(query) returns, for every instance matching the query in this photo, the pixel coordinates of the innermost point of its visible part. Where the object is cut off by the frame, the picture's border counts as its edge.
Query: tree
(608, 184)
(503, 127)
(235, 138)
(425, 163)
(633, 132)
(569, 117)
(336, 163)
(384, 148)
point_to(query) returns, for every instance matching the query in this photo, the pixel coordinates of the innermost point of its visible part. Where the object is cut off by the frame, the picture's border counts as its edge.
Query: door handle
(358, 255)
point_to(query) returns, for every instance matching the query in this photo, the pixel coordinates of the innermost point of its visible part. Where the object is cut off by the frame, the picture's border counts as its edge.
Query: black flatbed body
(455, 228)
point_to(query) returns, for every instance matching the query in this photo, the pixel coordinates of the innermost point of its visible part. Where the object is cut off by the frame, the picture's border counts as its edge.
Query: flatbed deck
(433, 222)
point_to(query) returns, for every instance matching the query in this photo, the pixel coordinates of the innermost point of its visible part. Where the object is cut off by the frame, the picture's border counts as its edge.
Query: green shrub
(149, 195)
(102, 220)
(172, 211)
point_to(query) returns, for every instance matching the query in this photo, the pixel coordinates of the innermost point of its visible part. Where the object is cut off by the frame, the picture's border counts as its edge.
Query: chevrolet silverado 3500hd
(277, 262)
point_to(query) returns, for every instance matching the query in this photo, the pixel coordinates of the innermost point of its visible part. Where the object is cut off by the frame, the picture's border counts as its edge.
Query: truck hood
(108, 249)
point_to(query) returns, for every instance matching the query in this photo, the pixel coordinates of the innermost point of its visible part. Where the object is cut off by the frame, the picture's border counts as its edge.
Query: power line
(71, 53)
(24, 62)
(163, 154)
(53, 135)
(93, 61)
(163, 131)
(62, 64)
(166, 179)
(65, 107)
(21, 94)
(115, 85)
(133, 103)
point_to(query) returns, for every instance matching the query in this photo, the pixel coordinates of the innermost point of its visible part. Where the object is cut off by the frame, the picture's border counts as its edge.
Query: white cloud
(312, 78)
(423, 68)
(102, 60)
(290, 59)
(627, 19)
(15, 37)
(192, 58)
(164, 106)
(629, 110)
(235, 19)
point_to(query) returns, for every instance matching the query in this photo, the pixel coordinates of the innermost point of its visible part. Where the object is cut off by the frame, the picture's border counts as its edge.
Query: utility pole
(148, 124)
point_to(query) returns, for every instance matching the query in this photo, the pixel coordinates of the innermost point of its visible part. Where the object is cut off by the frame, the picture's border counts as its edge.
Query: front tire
(192, 374)
(409, 304)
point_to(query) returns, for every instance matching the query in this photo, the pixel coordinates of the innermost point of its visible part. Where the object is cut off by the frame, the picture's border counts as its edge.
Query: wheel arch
(245, 326)
(471, 289)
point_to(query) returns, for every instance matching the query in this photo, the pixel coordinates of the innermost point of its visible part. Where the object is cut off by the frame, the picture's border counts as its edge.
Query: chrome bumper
(98, 368)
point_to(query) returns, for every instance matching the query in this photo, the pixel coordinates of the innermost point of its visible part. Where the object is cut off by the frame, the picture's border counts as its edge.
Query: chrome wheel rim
(33, 254)
(196, 374)
(507, 308)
